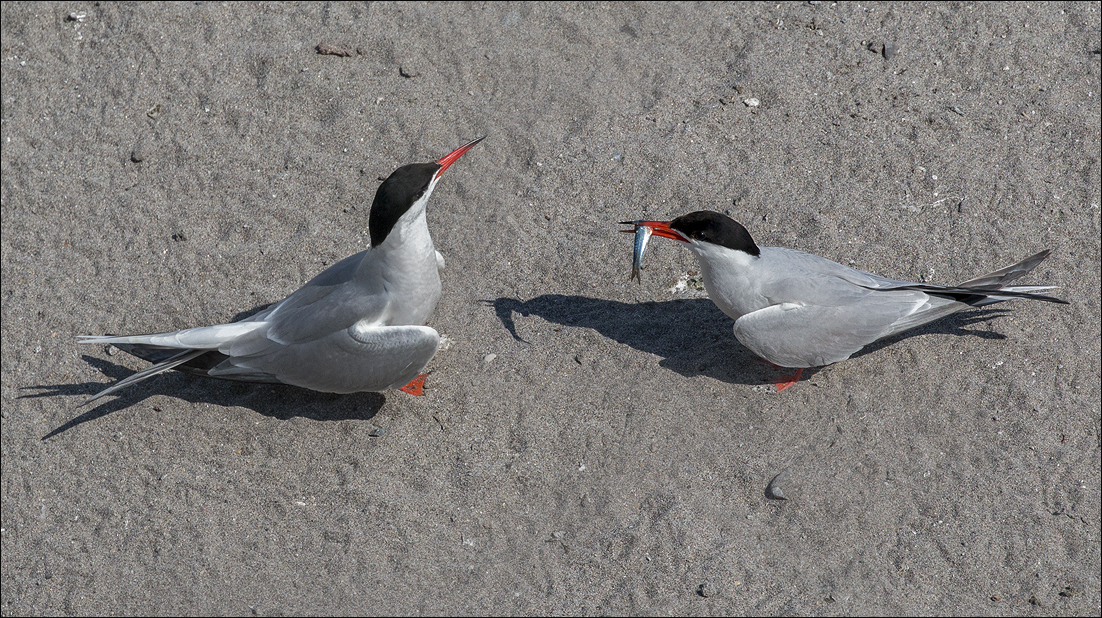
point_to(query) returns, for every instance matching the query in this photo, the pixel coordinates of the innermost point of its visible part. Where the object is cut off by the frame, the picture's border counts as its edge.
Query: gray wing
(822, 312)
(351, 360)
(805, 277)
(983, 290)
(320, 337)
(330, 302)
(811, 335)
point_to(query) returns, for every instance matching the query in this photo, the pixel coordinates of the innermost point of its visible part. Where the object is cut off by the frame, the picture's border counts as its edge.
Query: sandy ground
(585, 445)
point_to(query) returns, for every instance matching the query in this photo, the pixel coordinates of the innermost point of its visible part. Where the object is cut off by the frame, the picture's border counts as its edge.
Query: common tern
(799, 310)
(357, 326)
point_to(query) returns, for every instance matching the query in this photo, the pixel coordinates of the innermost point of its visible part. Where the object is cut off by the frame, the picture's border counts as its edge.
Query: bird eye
(419, 195)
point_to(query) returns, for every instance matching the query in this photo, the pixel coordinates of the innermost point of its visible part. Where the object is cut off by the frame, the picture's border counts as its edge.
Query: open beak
(658, 228)
(453, 156)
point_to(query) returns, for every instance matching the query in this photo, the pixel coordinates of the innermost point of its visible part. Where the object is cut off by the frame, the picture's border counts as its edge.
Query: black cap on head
(717, 229)
(395, 196)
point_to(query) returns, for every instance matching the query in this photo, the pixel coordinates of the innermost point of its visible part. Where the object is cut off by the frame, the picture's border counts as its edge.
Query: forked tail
(161, 367)
(993, 287)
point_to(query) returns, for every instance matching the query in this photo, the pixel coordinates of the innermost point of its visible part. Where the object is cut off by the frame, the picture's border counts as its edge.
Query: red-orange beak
(658, 228)
(453, 156)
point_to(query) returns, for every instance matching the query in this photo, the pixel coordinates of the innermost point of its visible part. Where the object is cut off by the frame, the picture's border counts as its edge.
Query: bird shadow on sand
(692, 336)
(275, 400)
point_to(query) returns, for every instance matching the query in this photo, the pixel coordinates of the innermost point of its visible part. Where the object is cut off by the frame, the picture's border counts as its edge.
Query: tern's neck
(729, 278)
(405, 266)
(409, 238)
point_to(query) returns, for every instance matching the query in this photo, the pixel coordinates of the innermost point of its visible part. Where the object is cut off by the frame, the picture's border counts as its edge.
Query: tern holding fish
(799, 310)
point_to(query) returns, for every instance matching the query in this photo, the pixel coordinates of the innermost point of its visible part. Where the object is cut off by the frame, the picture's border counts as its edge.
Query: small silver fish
(642, 237)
